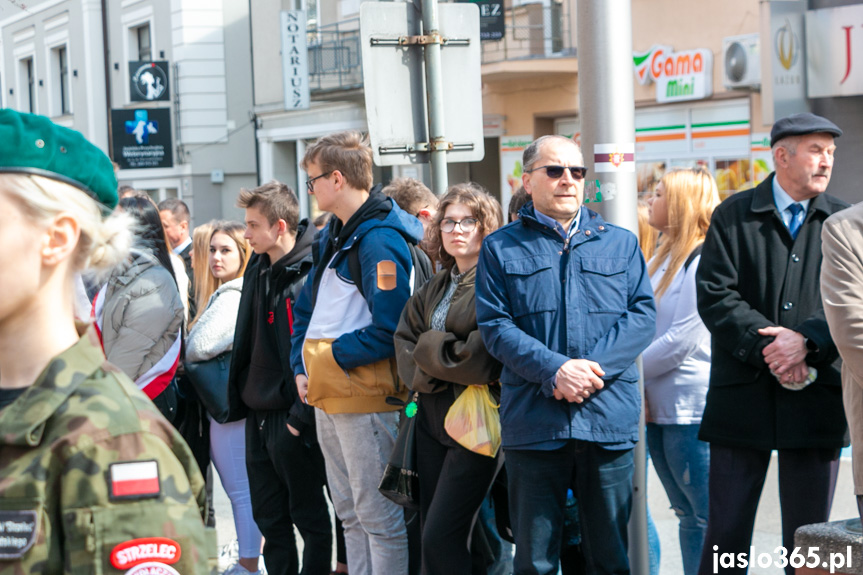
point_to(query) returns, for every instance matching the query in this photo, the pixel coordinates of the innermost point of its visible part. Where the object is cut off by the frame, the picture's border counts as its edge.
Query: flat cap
(799, 124)
(32, 144)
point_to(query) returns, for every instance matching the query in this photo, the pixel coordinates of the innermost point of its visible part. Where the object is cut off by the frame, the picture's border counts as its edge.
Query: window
(27, 97)
(160, 194)
(61, 102)
(63, 61)
(145, 50)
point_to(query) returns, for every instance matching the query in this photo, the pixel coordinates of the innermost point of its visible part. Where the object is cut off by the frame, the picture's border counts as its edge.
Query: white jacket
(213, 333)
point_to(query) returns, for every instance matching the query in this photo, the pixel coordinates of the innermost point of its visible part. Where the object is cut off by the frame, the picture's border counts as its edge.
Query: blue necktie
(796, 221)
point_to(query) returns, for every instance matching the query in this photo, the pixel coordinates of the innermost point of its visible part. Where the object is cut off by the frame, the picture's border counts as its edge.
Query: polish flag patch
(134, 480)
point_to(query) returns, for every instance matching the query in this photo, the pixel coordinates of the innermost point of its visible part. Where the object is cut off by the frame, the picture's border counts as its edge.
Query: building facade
(694, 105)
(147, 81)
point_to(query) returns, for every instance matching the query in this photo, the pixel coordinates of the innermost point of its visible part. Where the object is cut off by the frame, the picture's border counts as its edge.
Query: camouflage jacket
(94, 480)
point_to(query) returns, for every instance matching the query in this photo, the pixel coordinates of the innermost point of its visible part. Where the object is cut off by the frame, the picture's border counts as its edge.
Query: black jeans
(453, 484)
(807, 480)
(286, 479)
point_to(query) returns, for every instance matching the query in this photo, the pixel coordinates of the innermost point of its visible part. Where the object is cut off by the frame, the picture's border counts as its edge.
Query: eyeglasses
(556, 172)
(466, 225)
(310, 184)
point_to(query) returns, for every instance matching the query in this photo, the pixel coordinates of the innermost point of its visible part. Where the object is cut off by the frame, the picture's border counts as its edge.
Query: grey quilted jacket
(143, 314)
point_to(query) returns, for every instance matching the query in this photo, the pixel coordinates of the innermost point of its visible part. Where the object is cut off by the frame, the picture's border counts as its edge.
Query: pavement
(768, 524)
(768, 521)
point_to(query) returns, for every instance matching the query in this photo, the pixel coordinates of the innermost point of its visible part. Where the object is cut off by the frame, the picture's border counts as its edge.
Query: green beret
(34, 144)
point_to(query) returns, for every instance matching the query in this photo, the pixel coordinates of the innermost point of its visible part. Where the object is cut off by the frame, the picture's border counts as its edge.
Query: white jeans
(356, 447)
(228, 452)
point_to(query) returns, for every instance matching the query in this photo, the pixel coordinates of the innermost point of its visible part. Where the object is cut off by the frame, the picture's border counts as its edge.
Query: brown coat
(429, 360)
(842, 293)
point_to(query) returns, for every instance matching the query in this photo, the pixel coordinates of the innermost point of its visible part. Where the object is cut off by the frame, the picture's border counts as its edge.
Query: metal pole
(434, 86)
(607, 112)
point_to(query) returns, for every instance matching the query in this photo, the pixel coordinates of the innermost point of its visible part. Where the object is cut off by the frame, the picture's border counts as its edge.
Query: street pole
(607, 113)
(434, 86)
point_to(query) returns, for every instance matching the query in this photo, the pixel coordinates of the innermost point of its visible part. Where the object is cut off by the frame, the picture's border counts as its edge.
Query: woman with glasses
(677, 363)
(439, 352)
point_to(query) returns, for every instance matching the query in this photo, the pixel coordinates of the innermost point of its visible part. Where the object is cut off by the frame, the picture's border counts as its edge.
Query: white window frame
(22, 81)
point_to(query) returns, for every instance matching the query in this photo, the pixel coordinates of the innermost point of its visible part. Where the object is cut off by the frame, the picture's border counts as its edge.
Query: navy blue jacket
(542, 301)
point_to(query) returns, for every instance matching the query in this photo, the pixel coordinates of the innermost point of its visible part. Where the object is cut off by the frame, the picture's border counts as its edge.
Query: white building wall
(199, 53)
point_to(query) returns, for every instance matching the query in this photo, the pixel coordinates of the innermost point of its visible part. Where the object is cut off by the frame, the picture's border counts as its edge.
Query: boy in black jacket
(285, 464)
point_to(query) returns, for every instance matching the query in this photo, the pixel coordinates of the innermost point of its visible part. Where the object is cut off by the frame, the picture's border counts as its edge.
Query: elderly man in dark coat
(774, 382)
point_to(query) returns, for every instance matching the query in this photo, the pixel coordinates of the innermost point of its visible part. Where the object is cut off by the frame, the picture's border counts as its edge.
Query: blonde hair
(647, 234)
(201, 263)
(205, 283)
(103, 243)
(483, 207)
(690, 196)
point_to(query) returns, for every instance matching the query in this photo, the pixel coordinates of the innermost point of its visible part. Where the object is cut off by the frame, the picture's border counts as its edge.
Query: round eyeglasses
(466, 225)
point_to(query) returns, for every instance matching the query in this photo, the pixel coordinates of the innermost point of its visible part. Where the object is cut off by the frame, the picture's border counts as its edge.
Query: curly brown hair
(483, 206)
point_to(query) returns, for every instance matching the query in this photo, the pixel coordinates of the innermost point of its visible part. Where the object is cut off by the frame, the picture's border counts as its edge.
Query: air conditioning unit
(742, 58)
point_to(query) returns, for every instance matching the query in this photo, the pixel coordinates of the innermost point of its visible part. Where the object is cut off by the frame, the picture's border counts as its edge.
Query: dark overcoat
(753, 275)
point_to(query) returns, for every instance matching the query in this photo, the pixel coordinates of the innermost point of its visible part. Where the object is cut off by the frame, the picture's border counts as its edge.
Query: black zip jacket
(283, 281)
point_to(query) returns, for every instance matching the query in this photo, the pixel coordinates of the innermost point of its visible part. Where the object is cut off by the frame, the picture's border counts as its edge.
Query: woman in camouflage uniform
(92, 478)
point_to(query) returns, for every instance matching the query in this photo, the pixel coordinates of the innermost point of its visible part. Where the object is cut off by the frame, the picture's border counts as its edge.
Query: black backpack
(423, 269)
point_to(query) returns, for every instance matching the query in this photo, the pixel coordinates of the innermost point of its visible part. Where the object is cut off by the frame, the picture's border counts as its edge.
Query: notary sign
(295, 59)
(834, 60)
(142, 138)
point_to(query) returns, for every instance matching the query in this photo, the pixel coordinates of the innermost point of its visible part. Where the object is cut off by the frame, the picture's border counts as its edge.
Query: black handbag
(400, 482)
(210, 380)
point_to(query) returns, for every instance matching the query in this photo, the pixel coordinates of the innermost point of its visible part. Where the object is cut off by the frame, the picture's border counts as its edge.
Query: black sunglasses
(555, 172)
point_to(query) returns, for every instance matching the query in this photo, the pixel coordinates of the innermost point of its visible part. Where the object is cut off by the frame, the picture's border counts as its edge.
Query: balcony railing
(335, 61)
(532, 31)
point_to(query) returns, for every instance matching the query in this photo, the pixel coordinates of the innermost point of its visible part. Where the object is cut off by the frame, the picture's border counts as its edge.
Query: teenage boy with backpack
(342, 345)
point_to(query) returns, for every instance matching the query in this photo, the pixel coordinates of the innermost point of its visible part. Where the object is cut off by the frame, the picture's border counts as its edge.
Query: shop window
(733, 175)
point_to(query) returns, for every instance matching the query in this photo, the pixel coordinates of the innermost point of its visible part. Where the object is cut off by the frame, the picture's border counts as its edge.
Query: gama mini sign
(679, 76)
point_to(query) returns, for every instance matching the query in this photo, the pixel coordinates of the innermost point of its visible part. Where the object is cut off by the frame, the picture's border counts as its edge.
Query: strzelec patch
(145, 550)
(134, 480)
(18, 531)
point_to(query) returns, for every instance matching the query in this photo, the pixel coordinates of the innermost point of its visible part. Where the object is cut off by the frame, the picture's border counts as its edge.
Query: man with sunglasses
(564, 302)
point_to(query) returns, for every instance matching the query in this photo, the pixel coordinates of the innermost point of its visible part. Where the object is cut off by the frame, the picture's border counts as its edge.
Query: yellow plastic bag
(474, 422)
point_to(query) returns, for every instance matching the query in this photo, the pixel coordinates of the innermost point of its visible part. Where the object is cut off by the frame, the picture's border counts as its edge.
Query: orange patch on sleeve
(386, 275)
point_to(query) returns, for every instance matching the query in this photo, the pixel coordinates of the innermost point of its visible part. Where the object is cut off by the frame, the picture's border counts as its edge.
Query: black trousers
(286, 479)
(807, 481)
(453, 484)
